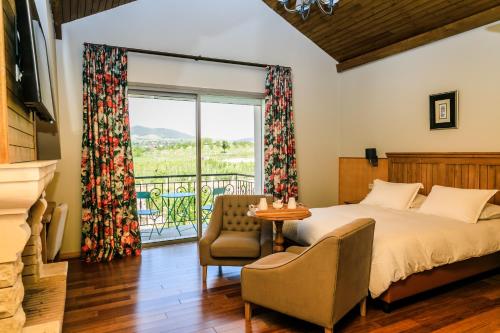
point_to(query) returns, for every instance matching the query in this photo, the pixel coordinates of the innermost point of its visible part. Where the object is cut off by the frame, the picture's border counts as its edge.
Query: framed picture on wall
(443, 110)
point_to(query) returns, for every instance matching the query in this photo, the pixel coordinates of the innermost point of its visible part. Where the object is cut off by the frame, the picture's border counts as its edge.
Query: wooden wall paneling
(355, 174)
(465, 176)
(462, 170)
(20, 154)
(21, 123)
(4, 142)
(20, 139)
(20, 145)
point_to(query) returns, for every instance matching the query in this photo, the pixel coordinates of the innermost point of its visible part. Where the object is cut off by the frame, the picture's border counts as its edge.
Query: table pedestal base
(279, 240)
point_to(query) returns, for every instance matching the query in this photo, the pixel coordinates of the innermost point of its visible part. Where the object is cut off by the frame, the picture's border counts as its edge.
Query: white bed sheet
(405, 242)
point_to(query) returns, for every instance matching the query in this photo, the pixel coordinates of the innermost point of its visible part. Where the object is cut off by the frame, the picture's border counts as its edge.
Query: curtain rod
(193, 57)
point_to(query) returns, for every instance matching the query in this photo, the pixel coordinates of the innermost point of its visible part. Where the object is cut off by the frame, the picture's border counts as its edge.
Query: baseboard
(68, 255)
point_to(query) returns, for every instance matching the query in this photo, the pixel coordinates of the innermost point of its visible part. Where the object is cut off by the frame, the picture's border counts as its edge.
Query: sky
(218, 121)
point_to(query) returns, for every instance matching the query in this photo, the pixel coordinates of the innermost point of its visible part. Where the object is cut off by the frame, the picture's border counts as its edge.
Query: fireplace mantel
(21, 184)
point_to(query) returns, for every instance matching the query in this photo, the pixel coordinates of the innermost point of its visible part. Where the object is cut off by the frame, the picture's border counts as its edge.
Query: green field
(179, 158)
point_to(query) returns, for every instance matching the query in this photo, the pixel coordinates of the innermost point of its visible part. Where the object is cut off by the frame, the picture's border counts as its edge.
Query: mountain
(165, 133)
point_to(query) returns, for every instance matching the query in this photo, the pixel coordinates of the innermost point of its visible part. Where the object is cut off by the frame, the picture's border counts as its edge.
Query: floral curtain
(109, 222)
(279, 140)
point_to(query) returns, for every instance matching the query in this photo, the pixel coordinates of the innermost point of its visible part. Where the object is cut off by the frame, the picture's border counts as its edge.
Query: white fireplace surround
(21, 185)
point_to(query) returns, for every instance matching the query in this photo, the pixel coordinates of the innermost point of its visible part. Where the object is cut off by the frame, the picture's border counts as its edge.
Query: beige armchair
(319, 284)
(233, 238)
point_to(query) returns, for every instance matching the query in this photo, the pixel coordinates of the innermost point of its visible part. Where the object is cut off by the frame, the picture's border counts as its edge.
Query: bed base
(437, 277)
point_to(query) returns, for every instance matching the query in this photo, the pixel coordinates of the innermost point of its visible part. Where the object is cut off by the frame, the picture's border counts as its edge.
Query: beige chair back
(235, 209)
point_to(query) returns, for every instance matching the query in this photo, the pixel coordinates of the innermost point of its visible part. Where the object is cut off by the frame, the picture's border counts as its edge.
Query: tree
(225, 146)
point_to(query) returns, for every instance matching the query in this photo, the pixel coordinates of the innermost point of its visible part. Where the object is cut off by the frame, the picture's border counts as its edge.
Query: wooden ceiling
(69, 10)
(361, 31)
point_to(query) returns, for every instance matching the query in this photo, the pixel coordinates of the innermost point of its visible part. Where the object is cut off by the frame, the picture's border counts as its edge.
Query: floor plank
(162, 292)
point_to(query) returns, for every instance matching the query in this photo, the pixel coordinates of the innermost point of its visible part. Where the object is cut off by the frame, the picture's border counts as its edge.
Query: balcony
(166, 205)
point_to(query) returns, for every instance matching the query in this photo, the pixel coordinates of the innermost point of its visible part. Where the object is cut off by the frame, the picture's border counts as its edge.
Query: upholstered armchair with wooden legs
(320, 283)
(232, 237)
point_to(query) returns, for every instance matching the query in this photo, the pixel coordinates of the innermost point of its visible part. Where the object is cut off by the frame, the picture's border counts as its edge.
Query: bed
(414, 252)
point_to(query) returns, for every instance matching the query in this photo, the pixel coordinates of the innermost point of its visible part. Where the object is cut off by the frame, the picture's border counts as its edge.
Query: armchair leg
(248, 311)
(328, 330)
(362, 307)
(204, 273)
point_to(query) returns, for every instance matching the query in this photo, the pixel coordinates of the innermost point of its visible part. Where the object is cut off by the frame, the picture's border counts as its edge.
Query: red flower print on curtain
(280, 165)
(109, 221)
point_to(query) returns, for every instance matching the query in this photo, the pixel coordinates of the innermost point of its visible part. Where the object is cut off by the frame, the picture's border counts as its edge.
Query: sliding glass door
(188, 149)
(231, 161)
(163, 129)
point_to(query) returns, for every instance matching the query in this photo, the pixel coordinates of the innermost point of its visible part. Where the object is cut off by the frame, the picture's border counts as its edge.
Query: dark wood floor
(162, 292)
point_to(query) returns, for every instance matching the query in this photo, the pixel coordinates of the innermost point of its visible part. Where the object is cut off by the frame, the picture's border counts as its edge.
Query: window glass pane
(163, 130)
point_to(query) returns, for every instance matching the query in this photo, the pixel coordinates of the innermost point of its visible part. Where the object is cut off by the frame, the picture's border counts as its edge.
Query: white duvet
(405, 242)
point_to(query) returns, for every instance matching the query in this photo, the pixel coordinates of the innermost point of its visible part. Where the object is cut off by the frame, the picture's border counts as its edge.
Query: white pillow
(418, 201)
(392, 195)
(456, 203)
(490, 212)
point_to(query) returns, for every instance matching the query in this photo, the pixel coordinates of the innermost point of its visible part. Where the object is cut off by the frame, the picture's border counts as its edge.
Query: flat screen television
(33, 71)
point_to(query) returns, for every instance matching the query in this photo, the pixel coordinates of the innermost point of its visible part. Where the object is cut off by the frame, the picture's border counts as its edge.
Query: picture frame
(443, 110)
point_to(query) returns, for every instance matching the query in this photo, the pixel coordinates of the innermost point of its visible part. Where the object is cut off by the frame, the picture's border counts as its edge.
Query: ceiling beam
(465, 24)
(65, 11)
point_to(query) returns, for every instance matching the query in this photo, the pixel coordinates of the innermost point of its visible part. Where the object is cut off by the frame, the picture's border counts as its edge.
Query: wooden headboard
(463, 170)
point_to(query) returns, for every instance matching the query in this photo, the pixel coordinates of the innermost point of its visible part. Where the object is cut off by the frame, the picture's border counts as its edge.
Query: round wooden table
(278, 216)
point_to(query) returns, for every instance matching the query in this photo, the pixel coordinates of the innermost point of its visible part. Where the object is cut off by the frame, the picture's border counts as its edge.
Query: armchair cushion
(236, 244)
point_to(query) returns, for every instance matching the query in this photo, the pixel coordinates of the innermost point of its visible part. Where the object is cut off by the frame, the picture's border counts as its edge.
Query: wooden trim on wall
(4, 142)
(68, 255)
(355, 174)
(468, 23)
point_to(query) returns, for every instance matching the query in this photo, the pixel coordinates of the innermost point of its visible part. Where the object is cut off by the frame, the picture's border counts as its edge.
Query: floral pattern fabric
(109, 221)
(280, 165)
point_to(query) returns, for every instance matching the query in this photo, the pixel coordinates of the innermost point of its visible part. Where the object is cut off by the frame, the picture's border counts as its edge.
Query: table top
(283, 214)
(176, 195)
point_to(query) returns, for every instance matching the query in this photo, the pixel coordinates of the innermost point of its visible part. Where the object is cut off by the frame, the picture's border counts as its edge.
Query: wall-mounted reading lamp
(371, 156)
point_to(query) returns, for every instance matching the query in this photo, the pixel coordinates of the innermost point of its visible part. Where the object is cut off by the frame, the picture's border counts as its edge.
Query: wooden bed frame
(463, 170)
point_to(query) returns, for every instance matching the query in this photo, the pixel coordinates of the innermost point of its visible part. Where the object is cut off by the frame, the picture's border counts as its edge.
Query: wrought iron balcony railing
(165, 202)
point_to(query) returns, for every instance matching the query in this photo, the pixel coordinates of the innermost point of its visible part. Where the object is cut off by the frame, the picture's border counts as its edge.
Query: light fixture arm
(303, 7)
(285, 5)
(328, 4)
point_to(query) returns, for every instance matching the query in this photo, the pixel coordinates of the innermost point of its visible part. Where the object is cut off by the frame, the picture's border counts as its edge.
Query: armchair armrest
(211, 233)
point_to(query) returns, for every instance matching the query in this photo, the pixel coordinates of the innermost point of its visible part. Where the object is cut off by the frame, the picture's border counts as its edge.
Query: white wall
(232, 29)
(386, 104)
